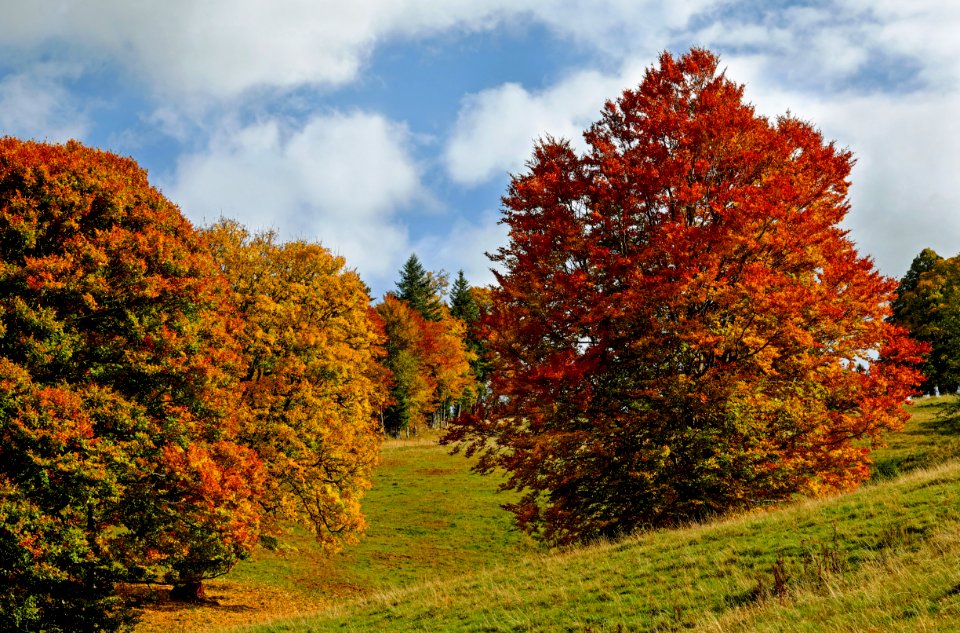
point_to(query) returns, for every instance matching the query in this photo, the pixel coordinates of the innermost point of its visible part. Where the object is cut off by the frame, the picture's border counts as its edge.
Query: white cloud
(496, 128)
(907, 147)
(882, 76)
(623, 28)
(339, 179)
(908, 152)
(34, 104)
(221, 48)
(923, 30)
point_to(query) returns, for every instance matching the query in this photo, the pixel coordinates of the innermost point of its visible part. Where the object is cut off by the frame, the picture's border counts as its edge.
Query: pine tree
(417, 288)
(462, 303)
(464, 306)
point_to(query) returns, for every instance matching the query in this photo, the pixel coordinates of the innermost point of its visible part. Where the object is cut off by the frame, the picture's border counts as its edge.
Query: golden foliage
(311, 381)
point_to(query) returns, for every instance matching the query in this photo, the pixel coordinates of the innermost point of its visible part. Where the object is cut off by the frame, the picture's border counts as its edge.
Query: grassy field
(429, 518)
(440, 556)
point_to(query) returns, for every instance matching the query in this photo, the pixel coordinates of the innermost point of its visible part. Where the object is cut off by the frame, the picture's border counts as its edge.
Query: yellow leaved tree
(311, 382)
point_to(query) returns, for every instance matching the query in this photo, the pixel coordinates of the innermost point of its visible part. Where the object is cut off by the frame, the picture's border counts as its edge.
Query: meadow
(441, 555)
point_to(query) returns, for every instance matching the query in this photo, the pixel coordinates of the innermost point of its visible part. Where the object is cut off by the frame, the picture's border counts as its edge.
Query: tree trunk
(190, 591)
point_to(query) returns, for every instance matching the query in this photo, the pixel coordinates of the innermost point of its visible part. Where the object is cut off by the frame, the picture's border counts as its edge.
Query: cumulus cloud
(219, 49)
(496, 128)
(878, 75)
(339, 179)
(881, 77)
(923, 30)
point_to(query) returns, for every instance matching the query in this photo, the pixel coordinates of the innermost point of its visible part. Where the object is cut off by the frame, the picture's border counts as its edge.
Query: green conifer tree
(418, 289)
(462, 303)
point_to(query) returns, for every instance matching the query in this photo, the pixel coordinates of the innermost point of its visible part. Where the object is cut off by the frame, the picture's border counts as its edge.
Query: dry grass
(228, 604)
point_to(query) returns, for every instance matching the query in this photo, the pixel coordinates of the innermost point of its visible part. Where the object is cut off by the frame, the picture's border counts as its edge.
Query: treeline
(927, 303)
(433, 349)
(171, 397)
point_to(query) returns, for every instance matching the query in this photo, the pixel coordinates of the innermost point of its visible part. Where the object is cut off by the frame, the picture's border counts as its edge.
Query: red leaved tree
(681, 327)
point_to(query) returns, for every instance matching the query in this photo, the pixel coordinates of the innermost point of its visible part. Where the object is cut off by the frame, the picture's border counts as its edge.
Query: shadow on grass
(157, 598)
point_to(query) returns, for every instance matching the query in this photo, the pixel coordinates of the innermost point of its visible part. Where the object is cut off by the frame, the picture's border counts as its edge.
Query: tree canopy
(311, 382)
(168, 396)
(928, 304)
(119, 458)
(681, 327)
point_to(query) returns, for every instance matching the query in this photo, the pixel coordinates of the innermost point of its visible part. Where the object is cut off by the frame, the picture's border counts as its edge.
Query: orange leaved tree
(413, 388)
(681, 327)
(119, 452)
(429, 361)
(311, 382)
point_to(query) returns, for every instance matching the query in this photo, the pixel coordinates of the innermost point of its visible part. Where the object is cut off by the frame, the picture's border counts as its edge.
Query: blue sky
(384, 127)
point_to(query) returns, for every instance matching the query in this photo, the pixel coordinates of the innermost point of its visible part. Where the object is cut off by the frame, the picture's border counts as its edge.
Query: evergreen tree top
(417, 289)
(463, 305)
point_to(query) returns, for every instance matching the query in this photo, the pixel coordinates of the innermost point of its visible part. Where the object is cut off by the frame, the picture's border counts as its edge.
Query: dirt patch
(228, 604)
(436, 471)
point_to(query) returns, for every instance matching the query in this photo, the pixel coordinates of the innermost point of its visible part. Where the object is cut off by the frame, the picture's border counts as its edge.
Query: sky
(382, 128)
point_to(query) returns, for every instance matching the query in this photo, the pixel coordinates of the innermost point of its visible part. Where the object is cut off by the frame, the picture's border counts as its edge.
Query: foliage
(118, 451)
(429, 362)
(419, 289)
(928, 304)
(412, 390)
(451, 361)
(312, 383)
(681, 327)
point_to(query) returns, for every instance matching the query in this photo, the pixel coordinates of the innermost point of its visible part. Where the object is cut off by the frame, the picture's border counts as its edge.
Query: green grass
(884, 558)
(815, 565)
(928, 439)
(441, 556)
(429, 517)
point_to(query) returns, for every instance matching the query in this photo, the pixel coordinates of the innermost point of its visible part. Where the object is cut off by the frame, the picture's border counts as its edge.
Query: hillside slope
(884, 558)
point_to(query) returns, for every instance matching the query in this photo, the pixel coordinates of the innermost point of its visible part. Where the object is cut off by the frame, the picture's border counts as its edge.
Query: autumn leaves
(682, 328)
(679, 328)
(169, 396)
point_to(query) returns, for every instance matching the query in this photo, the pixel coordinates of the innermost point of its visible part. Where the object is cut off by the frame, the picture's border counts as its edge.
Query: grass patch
(778, 570)
(429, 517)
